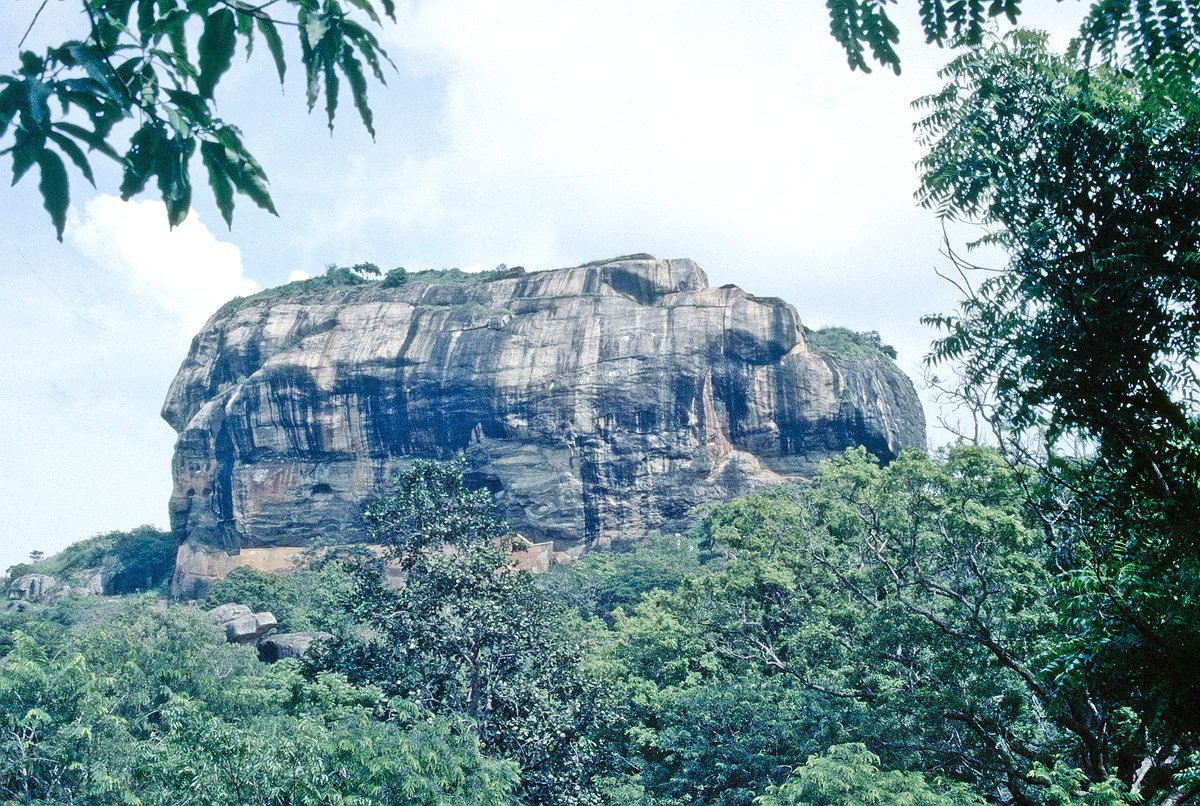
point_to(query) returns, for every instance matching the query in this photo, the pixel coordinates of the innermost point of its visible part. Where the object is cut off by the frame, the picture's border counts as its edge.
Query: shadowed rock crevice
(597, 403)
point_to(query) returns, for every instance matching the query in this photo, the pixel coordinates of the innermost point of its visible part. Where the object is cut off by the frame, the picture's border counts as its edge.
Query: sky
(539, 133)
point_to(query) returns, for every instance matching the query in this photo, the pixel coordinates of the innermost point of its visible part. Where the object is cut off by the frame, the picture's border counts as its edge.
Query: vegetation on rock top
(361, 275)
(840, 342)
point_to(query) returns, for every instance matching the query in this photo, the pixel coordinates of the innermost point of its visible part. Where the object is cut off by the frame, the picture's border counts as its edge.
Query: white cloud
(297, 275)
(627, 126)
(187, 271)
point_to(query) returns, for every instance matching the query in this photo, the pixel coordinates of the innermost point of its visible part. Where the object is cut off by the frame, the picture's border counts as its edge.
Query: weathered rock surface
(242, 625)
(288, 645)
(30, 587)
(596, 403)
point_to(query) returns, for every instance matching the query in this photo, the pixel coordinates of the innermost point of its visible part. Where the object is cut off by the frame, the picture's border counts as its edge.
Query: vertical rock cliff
(596, 403)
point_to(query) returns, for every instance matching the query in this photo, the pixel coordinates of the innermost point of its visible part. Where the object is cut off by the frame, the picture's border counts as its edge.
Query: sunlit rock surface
(597, 403)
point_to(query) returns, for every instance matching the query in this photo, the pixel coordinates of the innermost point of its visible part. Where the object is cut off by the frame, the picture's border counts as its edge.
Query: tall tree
(468, 635)
(910, 608)
(1090, 181)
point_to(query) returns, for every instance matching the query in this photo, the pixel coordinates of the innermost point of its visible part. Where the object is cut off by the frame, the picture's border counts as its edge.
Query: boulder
(30, 587)
(242, 626)
(288, 645)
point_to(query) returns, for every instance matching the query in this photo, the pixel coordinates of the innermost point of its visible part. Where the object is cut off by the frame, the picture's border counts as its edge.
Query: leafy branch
(136, 65)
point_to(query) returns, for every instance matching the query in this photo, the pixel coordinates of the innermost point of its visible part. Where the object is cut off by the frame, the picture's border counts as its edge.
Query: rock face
(242, 625)
(288, 645)
(45, 589)
(30, 587)
(596, 403)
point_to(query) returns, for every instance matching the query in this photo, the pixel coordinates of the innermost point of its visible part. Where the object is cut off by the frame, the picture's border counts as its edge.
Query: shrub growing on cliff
(394, 278)
(840, 342)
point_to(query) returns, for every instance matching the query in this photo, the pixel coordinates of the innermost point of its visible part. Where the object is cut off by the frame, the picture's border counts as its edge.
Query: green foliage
(1157, 37)
(396, 277)
(849, 775)
(617, 259)
(602, 581)
(335, 278)
(343, 278)
(304, 599)
(434, 508)
(839, 342)
(148, 704)
(469, 637)
(140, 559)
(316, 756)
(137, 65)
(54, 721)
(144, 560)
(910, 607)
(460, 277)
(1091, 182)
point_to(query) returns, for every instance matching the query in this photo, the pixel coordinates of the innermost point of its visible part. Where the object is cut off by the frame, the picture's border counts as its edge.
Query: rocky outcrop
(596, 403)
(288, 645)
(30, 587)
(241, 624)
(44, 589)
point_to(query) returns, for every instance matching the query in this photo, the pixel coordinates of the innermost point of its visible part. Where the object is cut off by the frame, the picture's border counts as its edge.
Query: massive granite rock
(596, 403)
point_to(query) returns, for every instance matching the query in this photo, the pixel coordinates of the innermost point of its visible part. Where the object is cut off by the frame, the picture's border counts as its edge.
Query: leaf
(244, 171)
(38, 93)
(331, 93)
(25, 152)
(358, 87)
(844, 26)
(96, 65)
(315, 28)
(140, 159)
(145, 20)
(274, 44)
(76, 154)
(173, 181)
(10, 102)
(216, 49)
(215, 158)
(245, 27)
(55, 191)
(369, 8)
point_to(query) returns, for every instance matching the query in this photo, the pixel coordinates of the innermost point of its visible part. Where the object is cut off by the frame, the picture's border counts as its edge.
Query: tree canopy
(1089, 335)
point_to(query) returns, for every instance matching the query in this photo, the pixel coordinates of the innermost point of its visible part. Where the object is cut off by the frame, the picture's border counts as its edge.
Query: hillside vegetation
(817, 644)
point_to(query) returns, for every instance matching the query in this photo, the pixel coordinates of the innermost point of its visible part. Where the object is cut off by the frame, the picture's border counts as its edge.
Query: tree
(469, 636)
(143, 701)
(144, 559)
(599, 582)
(54, 723)
(911, 608)
(1090, 180)
(136, 67)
